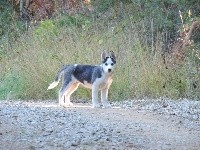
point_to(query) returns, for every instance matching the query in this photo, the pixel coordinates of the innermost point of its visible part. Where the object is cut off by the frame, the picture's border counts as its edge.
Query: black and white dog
(98, 77)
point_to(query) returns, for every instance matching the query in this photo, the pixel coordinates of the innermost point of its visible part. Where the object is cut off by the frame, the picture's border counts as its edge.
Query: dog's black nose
(109, 70)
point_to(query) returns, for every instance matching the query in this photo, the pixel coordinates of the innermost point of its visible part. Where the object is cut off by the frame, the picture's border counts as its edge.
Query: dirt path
(44, 125)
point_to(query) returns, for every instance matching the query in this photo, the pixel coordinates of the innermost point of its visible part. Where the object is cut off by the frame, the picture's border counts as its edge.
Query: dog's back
(87, 73)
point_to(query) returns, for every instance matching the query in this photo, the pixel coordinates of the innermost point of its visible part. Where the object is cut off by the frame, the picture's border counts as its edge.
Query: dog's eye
(106, 64)
(112, 64)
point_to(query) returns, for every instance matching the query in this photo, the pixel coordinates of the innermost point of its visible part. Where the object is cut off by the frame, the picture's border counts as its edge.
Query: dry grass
(140, 71)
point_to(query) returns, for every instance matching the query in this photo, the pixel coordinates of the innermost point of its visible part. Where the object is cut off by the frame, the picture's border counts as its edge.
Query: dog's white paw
(96, 106)
(61, 104)
(106, 105)
(68, 104)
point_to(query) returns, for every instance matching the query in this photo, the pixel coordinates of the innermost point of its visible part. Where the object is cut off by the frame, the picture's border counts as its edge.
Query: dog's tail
(57, 79)
(53, 85)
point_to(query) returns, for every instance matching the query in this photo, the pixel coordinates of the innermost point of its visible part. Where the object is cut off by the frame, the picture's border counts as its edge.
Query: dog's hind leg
(65, 86)
(68, 92)
(61, 97)
(65, 92)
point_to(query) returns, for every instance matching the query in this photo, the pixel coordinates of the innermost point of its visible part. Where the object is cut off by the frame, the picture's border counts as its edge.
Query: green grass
(37, 56)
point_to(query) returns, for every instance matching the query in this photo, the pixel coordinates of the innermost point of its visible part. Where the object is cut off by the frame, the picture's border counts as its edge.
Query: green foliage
(5, 16)
(77, 20)
(9, 23)
(46, 27)
(2, 54)
(12, 86)
(103, 5)
(136, 32)
(10, 28)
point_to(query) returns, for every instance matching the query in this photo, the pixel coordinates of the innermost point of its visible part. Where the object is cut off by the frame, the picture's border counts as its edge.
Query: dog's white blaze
(53, 85)
(109, 65)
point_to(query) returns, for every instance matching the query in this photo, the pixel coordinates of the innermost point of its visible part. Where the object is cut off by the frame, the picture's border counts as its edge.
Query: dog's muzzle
(109, 70)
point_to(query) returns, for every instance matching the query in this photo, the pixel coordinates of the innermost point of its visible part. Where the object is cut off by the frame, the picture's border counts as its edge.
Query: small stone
(32, 147)
(75, 143)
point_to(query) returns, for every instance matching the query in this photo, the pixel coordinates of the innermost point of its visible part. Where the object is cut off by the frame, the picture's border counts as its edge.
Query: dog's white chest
(103, 82)
(103, 85)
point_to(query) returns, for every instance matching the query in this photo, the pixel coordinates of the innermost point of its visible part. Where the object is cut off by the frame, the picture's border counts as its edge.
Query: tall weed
(140, 69)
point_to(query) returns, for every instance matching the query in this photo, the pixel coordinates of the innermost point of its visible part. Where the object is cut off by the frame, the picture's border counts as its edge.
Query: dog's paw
(96, 106)
(106, 105)
(68, 104)
(61, 104)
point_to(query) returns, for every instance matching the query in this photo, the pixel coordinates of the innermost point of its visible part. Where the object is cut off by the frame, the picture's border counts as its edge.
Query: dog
(94, 77)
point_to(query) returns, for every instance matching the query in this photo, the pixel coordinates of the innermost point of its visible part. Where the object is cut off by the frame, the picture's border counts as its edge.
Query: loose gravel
(133, 124)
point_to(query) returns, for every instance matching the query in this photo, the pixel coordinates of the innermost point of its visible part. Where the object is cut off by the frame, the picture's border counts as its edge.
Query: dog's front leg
(95, 103)
(104, 100)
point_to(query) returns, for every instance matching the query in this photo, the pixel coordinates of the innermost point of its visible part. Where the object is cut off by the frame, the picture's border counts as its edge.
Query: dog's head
(108, 61)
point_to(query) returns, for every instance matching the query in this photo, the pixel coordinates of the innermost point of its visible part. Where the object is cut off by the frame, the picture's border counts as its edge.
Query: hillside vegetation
(155, 55)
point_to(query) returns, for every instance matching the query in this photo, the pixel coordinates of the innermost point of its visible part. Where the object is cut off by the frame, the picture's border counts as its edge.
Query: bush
(46, 27)
(138, 43)
(77, 20)
(12, 86)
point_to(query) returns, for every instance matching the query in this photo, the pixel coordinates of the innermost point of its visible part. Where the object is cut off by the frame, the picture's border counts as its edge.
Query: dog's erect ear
(103, 55)
(112, 54)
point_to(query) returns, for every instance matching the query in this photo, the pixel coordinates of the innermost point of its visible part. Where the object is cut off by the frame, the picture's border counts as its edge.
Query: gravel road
(134, 124)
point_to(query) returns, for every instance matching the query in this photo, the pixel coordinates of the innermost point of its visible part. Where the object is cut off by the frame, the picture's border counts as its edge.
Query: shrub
(138, 44)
